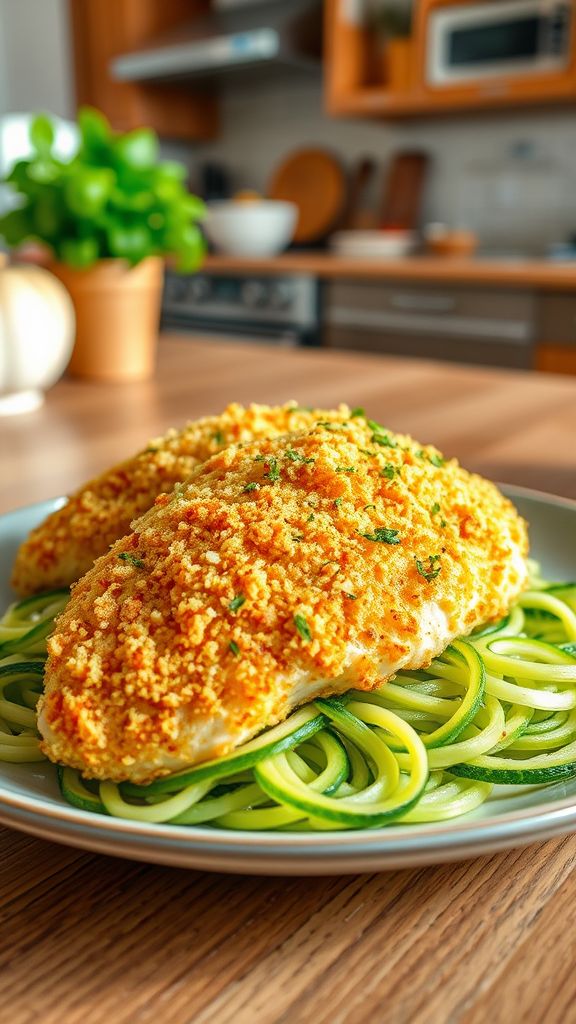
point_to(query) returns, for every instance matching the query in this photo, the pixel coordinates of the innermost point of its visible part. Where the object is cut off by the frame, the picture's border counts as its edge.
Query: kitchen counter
(501, 273)
(91, 939)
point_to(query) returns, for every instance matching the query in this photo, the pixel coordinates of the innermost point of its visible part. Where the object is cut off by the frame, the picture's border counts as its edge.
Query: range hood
(235, 37)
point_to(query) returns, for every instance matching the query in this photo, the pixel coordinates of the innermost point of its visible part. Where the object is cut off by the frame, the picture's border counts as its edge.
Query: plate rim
(409, 844)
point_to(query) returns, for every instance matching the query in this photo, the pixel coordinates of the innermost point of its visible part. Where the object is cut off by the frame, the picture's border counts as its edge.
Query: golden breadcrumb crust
(271, 565)
(66, 544)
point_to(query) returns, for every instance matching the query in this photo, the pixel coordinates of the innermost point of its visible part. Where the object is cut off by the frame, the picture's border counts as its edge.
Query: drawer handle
(424, 303)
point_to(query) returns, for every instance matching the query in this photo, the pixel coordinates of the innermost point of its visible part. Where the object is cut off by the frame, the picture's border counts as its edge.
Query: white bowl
(260, 228)
(384, 244)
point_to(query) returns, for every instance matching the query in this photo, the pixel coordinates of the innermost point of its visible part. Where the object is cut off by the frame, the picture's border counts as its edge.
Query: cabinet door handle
(424, 303)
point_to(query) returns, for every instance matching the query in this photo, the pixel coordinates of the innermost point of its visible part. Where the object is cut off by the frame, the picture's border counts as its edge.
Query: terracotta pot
(117, 315)
(397, 60)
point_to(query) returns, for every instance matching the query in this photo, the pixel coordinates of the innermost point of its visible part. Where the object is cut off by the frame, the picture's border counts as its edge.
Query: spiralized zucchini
(498, 707)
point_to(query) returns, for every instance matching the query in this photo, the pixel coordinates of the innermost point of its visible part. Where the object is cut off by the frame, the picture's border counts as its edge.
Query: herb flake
(429, 569)
(351, 597)
(303, 627)
(384, 440)
(236, 602)
(382, 535)
(389, 471)
(273, 473)
(251, 487)
(233, 648)
(359, 411)
(127, 556)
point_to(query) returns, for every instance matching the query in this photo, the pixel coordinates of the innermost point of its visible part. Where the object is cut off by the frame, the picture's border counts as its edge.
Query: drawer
(457, 349)
(431, 301)
(557, 319)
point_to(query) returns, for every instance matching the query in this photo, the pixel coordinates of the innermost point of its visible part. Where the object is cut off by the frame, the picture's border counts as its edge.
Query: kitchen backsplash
(510, 177)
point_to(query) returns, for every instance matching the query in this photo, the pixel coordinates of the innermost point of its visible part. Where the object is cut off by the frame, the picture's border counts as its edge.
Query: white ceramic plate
(30, 800)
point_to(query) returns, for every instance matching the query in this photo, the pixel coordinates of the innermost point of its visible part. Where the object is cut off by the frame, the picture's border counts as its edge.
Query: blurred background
(381, 175)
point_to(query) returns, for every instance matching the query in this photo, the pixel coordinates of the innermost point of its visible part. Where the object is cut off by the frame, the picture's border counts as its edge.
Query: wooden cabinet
(352, 86)
(102, 29)
(556, 351)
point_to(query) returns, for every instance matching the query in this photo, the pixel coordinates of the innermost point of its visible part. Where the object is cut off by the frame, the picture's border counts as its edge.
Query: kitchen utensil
(403, 190)
(258, 228)
(359, 215)
(312, 179)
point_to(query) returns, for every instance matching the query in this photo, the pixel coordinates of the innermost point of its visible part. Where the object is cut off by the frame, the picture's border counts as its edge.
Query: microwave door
(517, 37)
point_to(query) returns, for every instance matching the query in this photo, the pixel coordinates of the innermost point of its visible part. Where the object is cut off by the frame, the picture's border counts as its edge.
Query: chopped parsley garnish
(443, 523)
(359, 411)
(328, 425)
(310, 517)
(297, 457)
(233, 647)
(337, 502)
(127, 556)
(259, 458)
(218, 437)
(236, 602)
(151, 448)
(252, 487)
(273, 473)
(302, 627)
(435, 509)
(366, 451)
(366, 507)
(389, 471)
(298, 537)
(435, 460)
(382, 535)
(384, 440)
(429, 569)
(345, 469)
(351, 597)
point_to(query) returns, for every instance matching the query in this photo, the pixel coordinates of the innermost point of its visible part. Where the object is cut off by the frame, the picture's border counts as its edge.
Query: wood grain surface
(88, 939)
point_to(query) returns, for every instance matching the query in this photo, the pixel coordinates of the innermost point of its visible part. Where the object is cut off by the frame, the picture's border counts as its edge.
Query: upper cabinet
(457, 54)
(104, 29)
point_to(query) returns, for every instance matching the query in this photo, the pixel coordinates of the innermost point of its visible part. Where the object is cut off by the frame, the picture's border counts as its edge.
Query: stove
(282, 310)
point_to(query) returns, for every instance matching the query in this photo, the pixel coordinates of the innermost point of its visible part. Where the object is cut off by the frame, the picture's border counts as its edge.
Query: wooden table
(90, 939)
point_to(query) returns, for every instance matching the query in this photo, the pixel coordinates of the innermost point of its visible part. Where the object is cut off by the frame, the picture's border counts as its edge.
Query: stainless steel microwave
(497, 39)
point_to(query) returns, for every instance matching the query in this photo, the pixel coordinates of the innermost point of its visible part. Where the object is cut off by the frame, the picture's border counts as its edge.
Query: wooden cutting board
(314, 180)
(404, 190)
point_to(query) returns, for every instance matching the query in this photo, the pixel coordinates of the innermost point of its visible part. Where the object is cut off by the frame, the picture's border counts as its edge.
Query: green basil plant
(113, 199)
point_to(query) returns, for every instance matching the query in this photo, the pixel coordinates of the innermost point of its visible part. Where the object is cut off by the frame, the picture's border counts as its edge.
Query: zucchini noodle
(497, 707)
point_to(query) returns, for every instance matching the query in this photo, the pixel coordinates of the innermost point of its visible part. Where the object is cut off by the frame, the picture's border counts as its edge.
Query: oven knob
(281, 296)
(255, 294)
(176, 288)
(198, 289)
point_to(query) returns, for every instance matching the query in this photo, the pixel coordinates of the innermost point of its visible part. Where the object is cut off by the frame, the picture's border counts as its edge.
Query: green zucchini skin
(497, 708)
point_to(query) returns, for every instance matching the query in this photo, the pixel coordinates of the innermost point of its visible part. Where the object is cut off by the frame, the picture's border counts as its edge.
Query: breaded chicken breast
(66, 544)
(282, 570)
